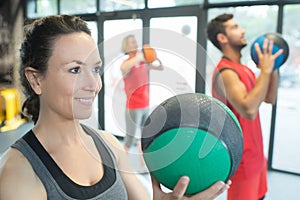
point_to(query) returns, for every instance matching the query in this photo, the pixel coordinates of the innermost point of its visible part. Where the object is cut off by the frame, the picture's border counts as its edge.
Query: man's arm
(273, 88)
(233, 89)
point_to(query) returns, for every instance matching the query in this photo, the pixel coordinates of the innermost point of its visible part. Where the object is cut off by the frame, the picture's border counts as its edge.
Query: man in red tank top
(136, 85)
(236, 85)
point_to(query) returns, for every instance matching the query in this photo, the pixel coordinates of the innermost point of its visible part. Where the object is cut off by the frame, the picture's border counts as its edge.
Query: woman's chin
(82, 115)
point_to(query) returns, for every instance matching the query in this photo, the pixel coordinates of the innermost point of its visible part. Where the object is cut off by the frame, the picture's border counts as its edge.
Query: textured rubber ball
(193, 135)
(279, 43)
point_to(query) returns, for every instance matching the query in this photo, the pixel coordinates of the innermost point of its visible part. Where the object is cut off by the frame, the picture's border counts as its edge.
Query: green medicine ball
(192, 135)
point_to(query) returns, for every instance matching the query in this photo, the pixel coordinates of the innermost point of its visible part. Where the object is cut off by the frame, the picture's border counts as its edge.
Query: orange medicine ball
(149, 53)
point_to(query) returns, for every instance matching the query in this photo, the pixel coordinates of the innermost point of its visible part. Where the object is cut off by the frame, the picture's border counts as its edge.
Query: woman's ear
(34, 78)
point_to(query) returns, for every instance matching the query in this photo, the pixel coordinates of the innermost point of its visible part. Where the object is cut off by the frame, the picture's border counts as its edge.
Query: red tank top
(136, 84)
(253, 156)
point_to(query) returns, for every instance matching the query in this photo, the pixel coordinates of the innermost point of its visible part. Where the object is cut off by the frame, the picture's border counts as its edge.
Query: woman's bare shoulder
(109, 138)
(113, 143)
(16, 172)
(12, 162)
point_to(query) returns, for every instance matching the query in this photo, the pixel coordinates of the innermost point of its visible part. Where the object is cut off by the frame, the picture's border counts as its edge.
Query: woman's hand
(139, 56)
(181, 186)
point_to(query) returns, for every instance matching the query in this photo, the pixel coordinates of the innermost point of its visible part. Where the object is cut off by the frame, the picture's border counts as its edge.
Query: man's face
(235, 34)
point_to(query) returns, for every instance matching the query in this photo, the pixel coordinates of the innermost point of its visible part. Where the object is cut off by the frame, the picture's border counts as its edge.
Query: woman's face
(72, 80)
(132, 45)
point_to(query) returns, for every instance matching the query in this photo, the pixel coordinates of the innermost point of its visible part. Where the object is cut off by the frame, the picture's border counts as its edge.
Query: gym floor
(282, 186)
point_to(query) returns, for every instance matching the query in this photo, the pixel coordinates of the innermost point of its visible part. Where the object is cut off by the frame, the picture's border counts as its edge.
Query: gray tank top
(59, 186)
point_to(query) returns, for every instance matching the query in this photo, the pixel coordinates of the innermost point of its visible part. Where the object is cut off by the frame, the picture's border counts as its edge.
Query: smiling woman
(60, 67)
(74, 75)
(60, 158)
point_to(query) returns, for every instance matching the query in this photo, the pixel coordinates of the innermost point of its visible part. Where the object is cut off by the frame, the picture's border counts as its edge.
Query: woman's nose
(92, 82)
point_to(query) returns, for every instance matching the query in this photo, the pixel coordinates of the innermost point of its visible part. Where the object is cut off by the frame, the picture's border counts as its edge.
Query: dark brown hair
(216, 26)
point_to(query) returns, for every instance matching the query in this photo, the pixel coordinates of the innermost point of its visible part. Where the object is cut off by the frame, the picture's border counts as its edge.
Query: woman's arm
(137, 191)
(159, 67)
(134, 188)
(129, 63)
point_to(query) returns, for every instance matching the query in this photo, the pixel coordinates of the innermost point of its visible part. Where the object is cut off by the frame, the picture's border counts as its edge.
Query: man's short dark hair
(216, 26)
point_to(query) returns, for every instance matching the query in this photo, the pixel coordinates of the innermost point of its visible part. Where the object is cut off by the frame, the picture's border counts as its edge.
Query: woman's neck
(53, 133)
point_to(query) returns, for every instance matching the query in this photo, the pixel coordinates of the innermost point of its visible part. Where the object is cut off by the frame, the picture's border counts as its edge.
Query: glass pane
(40, 8)
(94, 30)
(93, 120)
(231, 1)
(287, 138)
(114, 97)
(255, 20)
(172, 3)
(77, 6)
(115, 5)
(174, 39)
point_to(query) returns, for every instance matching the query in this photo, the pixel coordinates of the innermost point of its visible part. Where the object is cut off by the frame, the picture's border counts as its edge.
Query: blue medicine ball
(279, 43)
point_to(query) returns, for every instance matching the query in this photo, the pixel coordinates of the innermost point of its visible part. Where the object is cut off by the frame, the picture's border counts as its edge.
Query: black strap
(71, 188)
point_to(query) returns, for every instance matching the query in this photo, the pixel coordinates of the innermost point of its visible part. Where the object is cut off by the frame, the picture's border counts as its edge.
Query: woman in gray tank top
(60, 158)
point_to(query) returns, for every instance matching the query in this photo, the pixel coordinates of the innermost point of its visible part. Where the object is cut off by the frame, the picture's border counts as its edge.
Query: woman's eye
(75, 70)
(97, 69)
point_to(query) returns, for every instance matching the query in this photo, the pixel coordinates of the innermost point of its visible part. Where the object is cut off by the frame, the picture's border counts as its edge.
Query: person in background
(236, 85)
(135, 73)
(60, 158)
